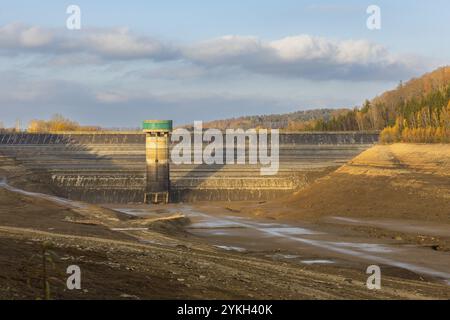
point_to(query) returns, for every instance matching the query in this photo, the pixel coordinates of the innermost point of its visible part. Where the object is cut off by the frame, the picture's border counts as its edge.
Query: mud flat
(310, 243)
(242, 250)
(141, 263)
(390, 204)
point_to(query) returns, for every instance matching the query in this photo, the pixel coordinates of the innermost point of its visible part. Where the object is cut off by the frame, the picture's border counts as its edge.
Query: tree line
(58, 123)
(424, 119)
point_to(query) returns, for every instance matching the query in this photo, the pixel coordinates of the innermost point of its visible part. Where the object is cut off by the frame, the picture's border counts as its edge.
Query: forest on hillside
(417, 111)
(296, 121)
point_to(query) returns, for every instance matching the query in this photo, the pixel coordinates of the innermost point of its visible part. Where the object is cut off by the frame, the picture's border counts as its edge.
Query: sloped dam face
(111, 167)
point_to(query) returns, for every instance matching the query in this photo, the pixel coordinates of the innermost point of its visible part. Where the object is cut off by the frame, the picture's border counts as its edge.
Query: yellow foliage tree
(57, 124)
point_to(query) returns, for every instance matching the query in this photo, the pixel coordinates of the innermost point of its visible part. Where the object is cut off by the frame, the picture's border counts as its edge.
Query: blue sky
(202, 60)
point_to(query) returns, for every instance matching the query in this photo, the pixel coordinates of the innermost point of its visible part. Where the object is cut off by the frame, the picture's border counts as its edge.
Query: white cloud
(122, 44)
(301, 56)
(302, 47)
(225, 50)
(108, 44)
(16, 35)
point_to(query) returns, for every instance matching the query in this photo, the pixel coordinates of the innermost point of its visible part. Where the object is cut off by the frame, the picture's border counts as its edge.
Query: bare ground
(400, 184)
(405, 181)
(166, 262)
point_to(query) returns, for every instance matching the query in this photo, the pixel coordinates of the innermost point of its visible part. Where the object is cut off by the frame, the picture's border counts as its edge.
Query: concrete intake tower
(157, 159)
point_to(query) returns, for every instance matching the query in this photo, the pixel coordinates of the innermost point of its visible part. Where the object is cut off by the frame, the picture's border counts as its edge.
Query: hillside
(299, 120)
(438, 79)
(402, 181)
(421, 106)
(415, 111)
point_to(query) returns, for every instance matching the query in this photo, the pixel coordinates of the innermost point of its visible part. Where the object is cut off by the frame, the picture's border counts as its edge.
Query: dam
(111, 167)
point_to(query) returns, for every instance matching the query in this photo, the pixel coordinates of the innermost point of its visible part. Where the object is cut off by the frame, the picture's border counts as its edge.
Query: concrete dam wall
(111, 167)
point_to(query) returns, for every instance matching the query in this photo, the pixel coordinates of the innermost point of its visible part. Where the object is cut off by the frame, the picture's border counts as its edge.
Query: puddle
(219, 233)
(317, 261)
(290, 231)
(215, 224)
(255, 231)
(346, 219)
(367, 247)
(284, 256)
(228, 222)
(230, 248)
(241, 234)
(129, 229)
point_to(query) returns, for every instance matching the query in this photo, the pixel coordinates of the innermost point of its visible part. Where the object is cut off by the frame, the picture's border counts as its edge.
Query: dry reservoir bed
(234, 250)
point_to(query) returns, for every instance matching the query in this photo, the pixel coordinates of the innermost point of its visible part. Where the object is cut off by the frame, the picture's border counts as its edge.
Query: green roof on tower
(157, 125)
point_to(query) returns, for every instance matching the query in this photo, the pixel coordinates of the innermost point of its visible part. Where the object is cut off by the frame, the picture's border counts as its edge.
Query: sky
(192, 60)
